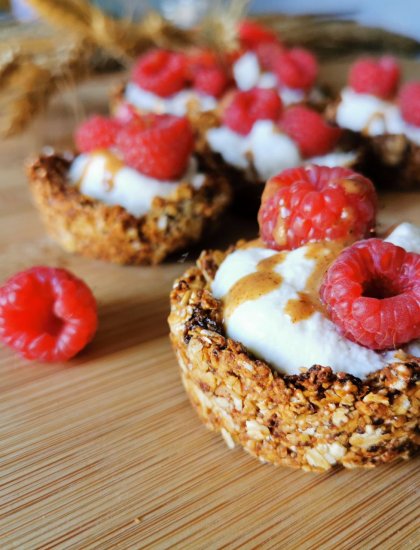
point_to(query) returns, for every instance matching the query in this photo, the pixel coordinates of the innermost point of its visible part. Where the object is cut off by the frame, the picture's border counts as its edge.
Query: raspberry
(310, 131)
(251, 34)
(162, 72)
(372, 293)
(211, 80)
(248, 107)
(377, 77)
(98, 132)
(157, 145)
(316, 203)
(410, 102)
(201, 58)
(296, 68)
(268, 54)
(208, 73)
(47, 314)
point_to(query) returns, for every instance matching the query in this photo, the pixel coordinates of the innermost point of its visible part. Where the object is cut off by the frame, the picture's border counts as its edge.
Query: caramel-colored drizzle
(372, 118)
(111, 166)
(265, 279)
(300, 308)
(254, 285)
(324, 253)
(255, 243)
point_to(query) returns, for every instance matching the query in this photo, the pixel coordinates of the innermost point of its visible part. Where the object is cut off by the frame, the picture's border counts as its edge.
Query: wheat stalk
(31, 74)
(219, 29)
(30, 85)
(121, 37)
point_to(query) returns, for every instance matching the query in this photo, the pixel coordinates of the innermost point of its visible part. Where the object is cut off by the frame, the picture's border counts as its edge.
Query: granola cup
(391, 161)
(315, 420)
(91, 228)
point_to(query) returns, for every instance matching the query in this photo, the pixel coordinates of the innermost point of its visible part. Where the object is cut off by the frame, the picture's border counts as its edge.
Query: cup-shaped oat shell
(109, 232)
(316, 420)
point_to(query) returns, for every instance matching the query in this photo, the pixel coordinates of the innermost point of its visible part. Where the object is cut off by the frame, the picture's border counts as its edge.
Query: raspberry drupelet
(372, 293)
(47, 314)
(316, 203)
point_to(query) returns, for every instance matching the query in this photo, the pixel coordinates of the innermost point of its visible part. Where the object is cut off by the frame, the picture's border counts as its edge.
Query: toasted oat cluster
(315, 420)
(109, 232)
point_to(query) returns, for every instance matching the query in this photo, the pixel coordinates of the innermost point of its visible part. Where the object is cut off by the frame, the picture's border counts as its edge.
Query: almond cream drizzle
(255, 243)
(265, 279)
(112, 165)
(323, 253)
(254, 285)
(300, 308)
(375, 116)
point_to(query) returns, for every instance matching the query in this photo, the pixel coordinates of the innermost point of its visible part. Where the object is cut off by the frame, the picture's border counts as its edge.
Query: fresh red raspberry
(47, 314)
(98, 132)
(268, 54)
(208, 72)
(157, 145)
(296, 68)
(252, 33)
(378, 77)
(162, 72)
(316, 203)
(310, 131)
(409, 98)
(211, 80)
(247, 107)
(201, 58)
(372, 294)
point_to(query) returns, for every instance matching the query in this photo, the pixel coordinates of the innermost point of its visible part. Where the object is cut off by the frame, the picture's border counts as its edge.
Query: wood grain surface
(106, 452)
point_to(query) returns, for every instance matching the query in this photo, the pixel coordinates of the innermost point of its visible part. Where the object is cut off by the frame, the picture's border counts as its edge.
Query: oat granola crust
(315, 420)
(392, 162)
(96, 230)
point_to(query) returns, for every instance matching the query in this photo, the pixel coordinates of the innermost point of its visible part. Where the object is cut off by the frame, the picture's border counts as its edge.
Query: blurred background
(402, 17)
(49, 46)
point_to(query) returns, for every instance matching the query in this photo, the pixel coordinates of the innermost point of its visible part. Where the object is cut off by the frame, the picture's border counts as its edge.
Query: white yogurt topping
(175, 104)
(126, 186)
(267, 149)
(335, 158)
(264, 327)
(372, 116)
(248, 74)
(406, 235)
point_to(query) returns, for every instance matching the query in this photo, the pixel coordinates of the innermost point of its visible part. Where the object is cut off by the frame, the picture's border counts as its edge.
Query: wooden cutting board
(106, 452)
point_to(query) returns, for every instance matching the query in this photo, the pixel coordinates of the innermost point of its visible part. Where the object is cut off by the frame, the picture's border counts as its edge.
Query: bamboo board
(106, 452)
